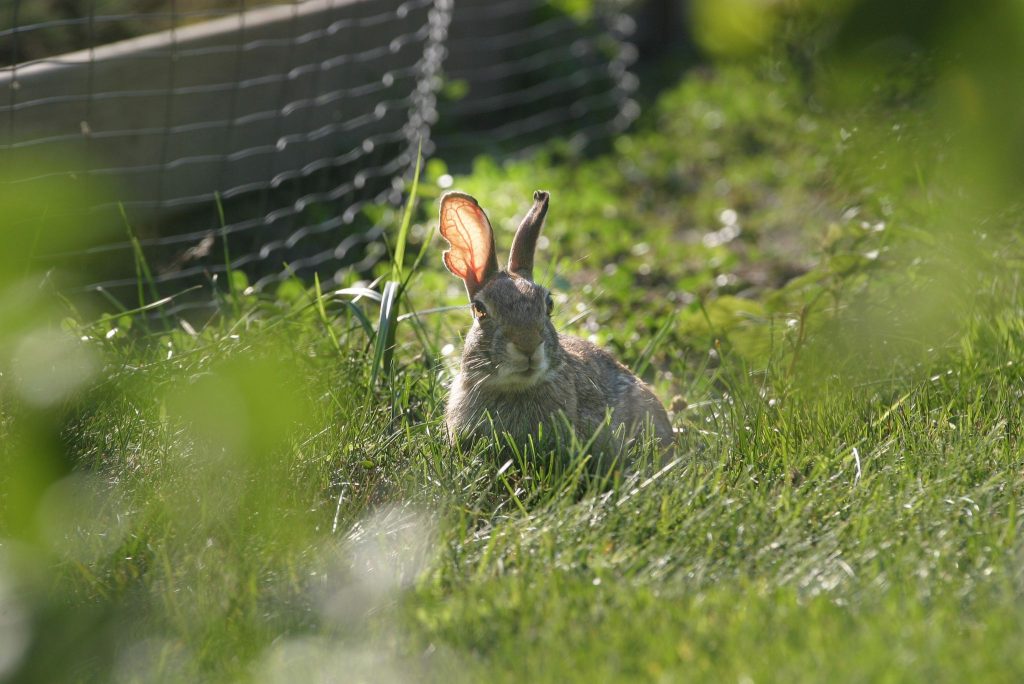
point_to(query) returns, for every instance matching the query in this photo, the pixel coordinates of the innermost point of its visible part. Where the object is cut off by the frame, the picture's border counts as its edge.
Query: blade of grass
(383, 348)
(136, 249)
(364, 322)
(227, 254)
(644, 360)
(357, 292)
(387, 324)
(112, 299)
(416, 263)
(403, 229)
(142, 272)
(158, 303)
(323, 313)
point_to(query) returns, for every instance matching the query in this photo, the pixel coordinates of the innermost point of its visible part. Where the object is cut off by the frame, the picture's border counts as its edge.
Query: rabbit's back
(602, 383)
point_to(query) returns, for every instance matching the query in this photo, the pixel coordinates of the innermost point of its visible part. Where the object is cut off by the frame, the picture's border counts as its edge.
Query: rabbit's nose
(527, 344)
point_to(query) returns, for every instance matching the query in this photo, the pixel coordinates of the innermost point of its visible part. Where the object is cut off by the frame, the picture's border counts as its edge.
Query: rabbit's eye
(551, 304)
(479, 310)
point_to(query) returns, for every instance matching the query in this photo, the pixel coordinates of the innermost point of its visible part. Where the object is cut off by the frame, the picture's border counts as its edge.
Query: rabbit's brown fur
(517, 371)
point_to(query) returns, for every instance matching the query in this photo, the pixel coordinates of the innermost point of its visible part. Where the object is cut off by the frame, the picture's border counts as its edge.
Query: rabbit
(518, 373)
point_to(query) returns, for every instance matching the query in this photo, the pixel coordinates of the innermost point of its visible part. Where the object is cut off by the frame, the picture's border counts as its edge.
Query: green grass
(256, 502)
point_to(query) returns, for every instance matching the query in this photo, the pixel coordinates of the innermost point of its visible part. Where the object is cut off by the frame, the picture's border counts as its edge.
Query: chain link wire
(256, 136)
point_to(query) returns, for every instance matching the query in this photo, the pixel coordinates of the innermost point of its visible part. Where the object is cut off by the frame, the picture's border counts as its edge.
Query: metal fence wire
(253, 135)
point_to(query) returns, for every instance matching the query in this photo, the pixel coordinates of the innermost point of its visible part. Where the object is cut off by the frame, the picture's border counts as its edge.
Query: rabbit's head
(512, 345)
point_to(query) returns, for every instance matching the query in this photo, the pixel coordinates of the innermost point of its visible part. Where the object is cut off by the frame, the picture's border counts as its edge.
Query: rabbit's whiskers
(475, 366)
(476, 385)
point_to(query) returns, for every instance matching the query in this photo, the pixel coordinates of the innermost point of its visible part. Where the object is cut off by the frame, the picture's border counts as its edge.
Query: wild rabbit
(517, 371)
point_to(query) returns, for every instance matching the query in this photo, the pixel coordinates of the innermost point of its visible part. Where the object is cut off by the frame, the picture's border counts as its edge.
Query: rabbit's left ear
(520, 259)
(464, 224)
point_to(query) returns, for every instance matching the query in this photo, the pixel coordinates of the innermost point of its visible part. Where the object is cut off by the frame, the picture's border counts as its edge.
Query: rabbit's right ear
(465, 226)
(520, 259)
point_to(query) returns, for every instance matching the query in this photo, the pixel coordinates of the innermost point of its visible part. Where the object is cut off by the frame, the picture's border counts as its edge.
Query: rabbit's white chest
(520, 414)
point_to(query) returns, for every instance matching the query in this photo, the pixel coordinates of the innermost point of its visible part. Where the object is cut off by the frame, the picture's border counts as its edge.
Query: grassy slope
(262, 516)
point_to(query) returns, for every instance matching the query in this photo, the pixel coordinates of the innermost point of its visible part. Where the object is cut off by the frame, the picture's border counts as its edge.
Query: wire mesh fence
(524, 72)
(252, 136)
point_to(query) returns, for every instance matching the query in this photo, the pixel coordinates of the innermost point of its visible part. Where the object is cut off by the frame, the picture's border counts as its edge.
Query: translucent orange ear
(465, 226)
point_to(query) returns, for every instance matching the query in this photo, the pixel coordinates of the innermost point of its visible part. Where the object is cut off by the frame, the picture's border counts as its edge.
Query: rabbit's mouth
(518, 376)
(519, 370)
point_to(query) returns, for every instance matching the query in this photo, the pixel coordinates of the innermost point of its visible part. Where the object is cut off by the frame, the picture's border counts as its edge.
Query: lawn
(267, 495)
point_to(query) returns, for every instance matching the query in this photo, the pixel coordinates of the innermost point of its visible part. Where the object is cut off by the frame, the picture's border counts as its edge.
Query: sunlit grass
(248, 511)
(249, 501)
